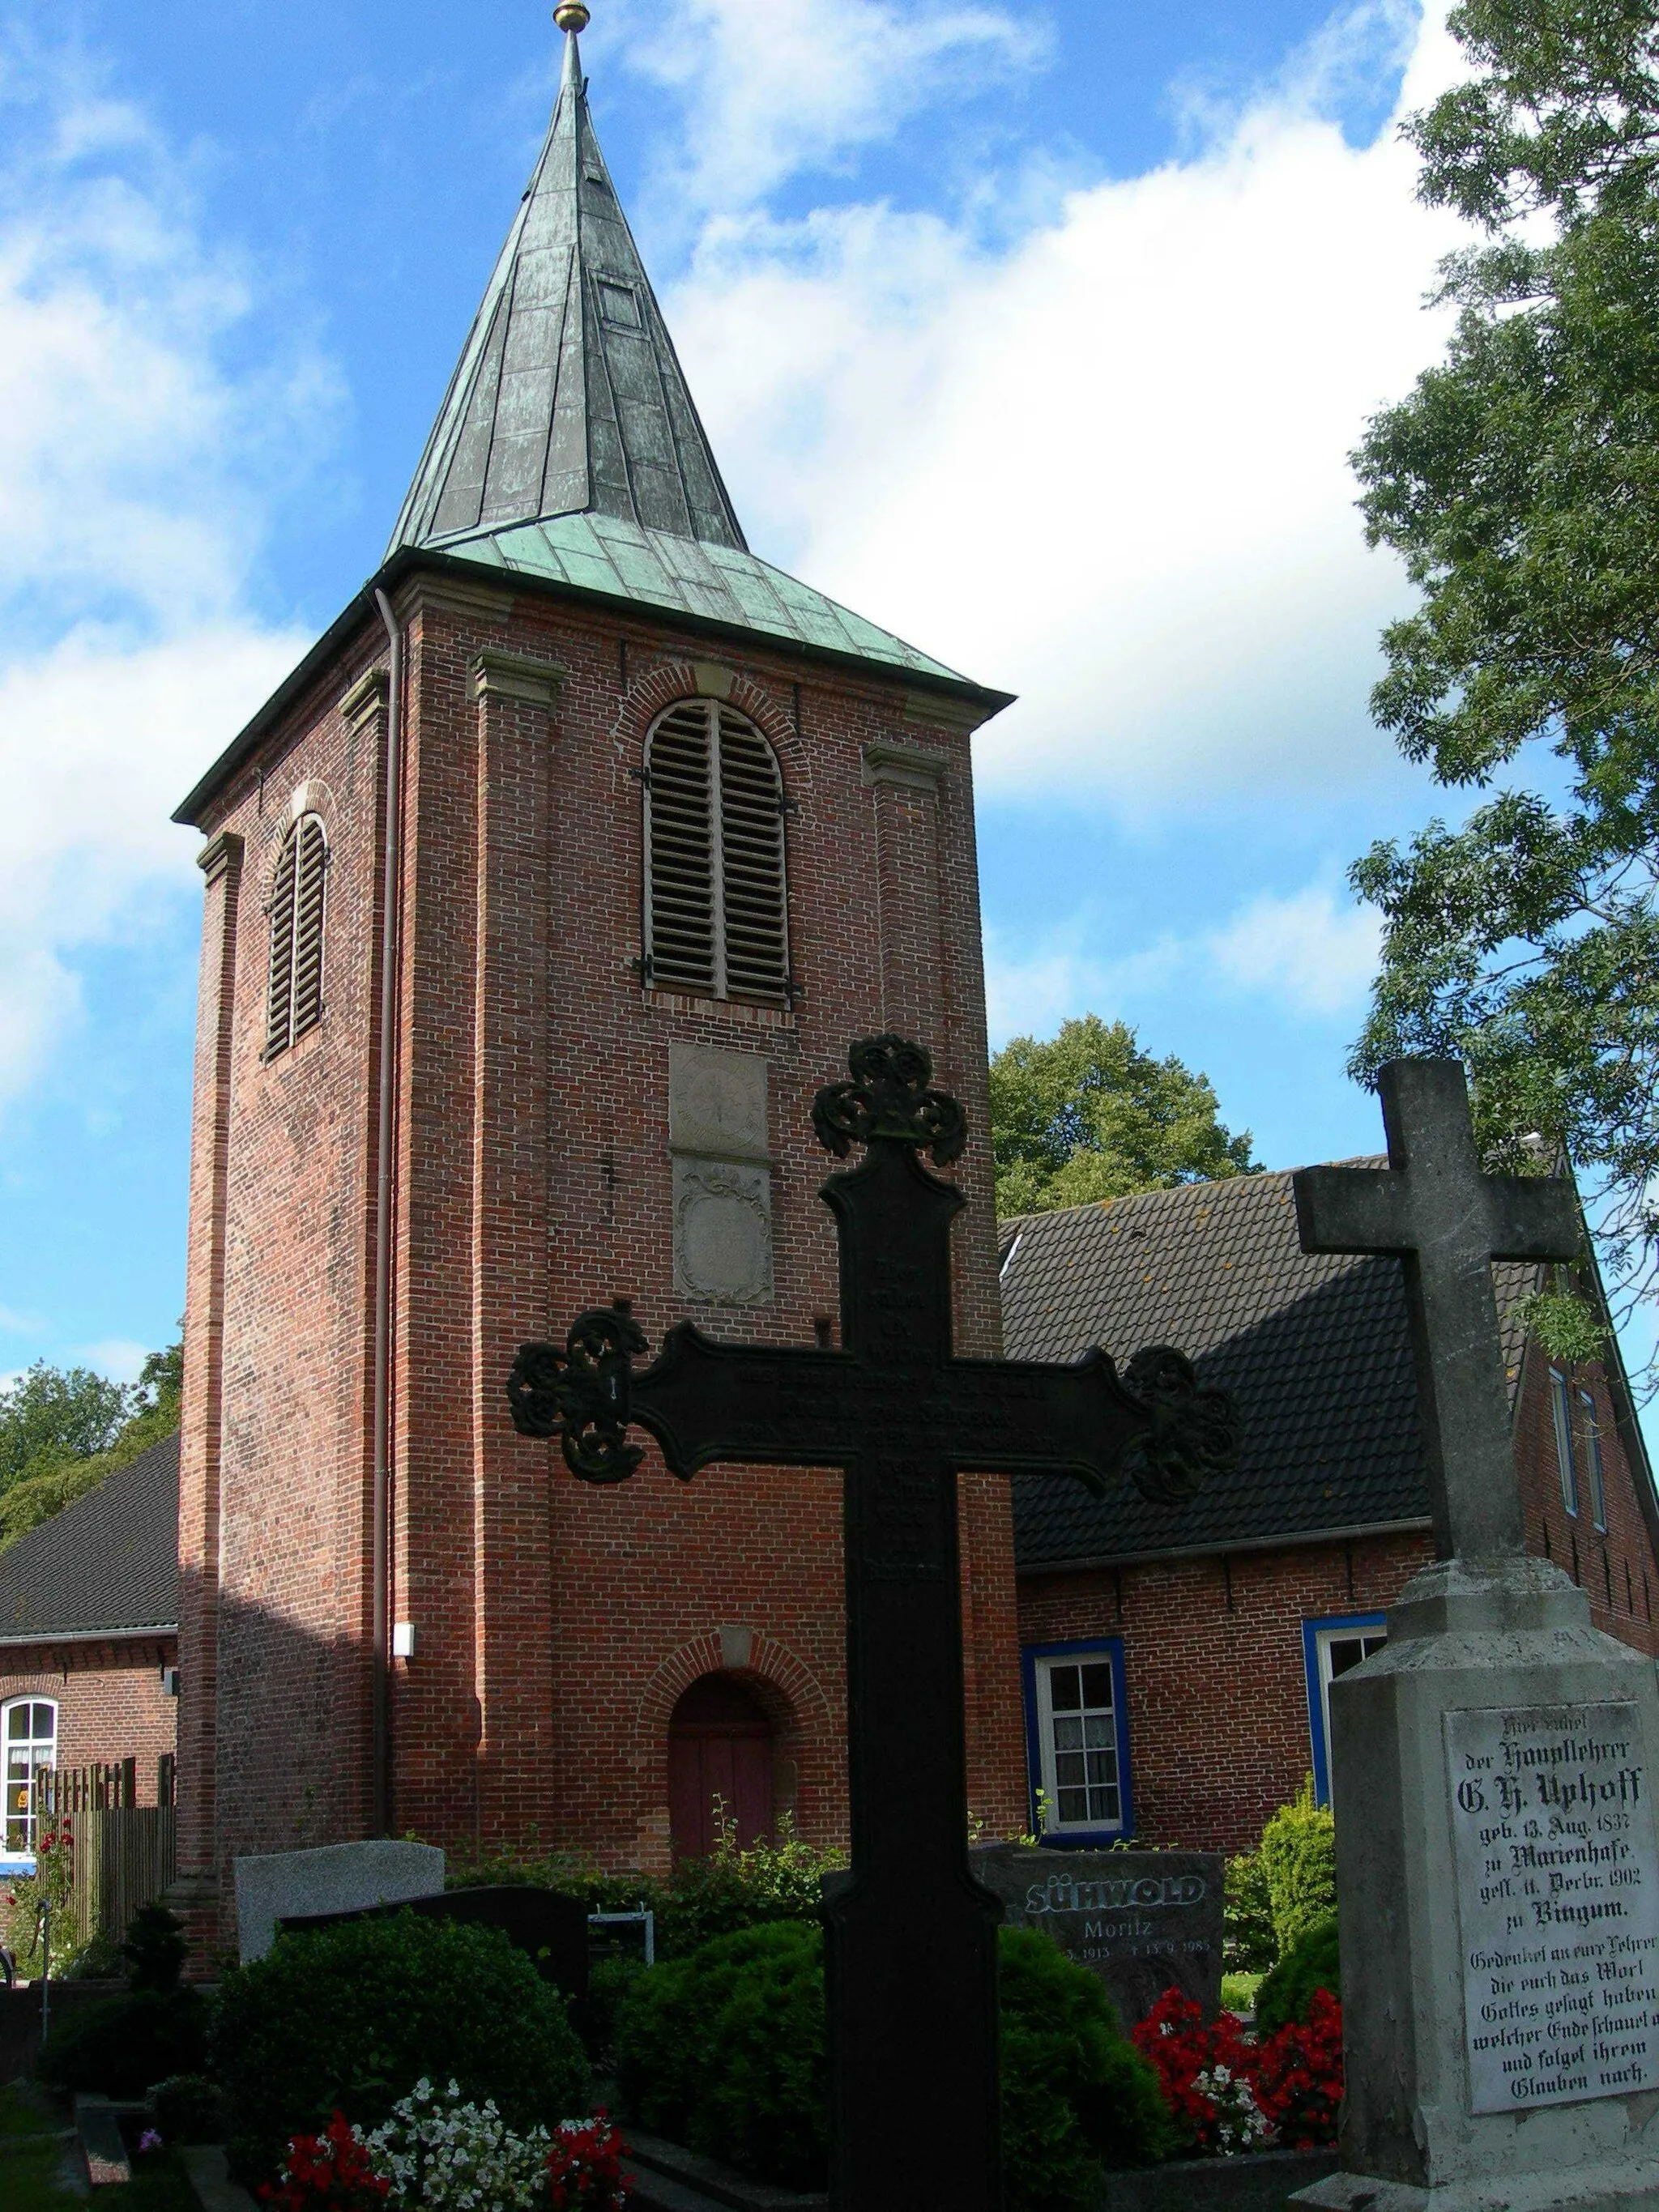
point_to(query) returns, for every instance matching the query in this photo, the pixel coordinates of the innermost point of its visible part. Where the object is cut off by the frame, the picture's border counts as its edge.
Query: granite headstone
(334, 1878)
(1144, 1921)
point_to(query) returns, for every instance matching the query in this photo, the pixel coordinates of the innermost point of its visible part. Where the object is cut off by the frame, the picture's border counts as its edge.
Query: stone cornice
(908, 765)
(498, 675)
(219, 854)
(366, 698)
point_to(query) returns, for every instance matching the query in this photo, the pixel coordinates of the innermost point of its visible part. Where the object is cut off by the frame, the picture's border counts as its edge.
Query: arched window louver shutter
(294, 1003)
(716, 913)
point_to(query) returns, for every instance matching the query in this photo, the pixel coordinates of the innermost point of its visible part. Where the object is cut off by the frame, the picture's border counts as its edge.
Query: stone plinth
(1496, 1871)
(336, 1878)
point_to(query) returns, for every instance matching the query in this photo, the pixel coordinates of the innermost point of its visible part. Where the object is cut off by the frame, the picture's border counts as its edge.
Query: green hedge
(1313, 1962)
(730, 1889)
(724, 2051)
(121, 2046)
(1298, 1861)
(352, 2015)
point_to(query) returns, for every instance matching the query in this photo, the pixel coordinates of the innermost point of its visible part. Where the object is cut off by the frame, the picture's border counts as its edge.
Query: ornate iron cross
(1434, 1206)
(911, 1950)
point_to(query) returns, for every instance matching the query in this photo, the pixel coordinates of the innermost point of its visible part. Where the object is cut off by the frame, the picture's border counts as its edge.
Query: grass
(25, 2112)
(1239, 1992)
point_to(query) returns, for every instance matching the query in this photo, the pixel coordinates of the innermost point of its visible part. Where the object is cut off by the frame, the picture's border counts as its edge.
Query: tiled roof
(1315, 1350)
(108, 1561)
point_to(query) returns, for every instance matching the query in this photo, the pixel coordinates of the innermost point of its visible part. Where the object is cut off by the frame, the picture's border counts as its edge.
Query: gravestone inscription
(1558, 1903)
(1144, 1921)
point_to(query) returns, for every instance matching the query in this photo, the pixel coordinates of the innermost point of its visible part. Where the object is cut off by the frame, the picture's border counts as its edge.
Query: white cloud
(1105, 466)
(1315, 949)
(135, 480)
(116, 1357)
(773, 88)
(1312, 950)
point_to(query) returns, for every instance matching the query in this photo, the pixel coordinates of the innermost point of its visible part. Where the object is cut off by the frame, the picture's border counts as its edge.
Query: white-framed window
(293, 1001)
(1594, 1464)
(28, 1741)
(1078, 1739)
(716, 905)
(1566, 1460)
(1330, 1647)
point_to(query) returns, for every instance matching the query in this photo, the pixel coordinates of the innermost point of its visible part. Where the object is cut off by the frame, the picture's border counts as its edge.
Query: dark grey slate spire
(569, 398)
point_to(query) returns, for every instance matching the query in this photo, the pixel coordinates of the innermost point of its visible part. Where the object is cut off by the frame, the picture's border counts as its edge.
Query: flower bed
(439, 2153)
(1230, 2094)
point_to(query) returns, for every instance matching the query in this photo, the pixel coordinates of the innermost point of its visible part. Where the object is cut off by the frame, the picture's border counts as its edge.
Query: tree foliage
(1089, 1115)
(62, 1430)
(1520, 481)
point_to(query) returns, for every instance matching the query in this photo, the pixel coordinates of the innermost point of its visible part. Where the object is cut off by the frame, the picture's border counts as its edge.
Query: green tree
(61, 1430)
(51, 1414)
(1520, 481)
(1088, 1116)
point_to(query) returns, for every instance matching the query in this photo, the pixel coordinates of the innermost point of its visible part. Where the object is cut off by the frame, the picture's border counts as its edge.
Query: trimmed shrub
(1249, 1946)
(724, 2051)
(1313, 1962)
(1076, 2094)
(124, 2045)
(1298, 1859)
(350, 2018)
(189, 2109)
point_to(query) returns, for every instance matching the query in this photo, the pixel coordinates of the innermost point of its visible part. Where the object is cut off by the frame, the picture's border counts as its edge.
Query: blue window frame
(1076, 1738)
(1329, 1648)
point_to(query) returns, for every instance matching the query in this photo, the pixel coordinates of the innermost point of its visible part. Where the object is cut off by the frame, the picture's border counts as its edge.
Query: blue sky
(1036, 334)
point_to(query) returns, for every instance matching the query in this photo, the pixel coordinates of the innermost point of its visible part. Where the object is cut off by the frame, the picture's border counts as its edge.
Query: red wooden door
(719, 1746)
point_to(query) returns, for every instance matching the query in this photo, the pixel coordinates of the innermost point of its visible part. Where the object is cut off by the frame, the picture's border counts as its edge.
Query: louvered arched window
(716, 920)
(294, 1000)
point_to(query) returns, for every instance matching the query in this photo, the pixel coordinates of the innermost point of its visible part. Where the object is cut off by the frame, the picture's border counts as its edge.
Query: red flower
(585, 2167)
(329, 2172)
(1295, 2077)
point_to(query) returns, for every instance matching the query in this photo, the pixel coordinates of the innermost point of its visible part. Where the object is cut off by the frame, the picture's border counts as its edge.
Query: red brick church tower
(540, 900)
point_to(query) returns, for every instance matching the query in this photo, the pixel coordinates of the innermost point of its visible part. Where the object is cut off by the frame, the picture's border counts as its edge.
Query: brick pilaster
(195, 1896)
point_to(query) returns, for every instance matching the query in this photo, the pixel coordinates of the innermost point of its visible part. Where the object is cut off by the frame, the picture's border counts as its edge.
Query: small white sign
(1558, 1902)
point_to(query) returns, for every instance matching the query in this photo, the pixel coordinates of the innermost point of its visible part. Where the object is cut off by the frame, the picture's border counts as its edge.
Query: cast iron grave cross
(1434, 1206)
(911, 1938)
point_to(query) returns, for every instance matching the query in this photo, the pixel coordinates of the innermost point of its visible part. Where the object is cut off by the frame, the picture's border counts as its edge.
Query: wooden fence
(125, 1854)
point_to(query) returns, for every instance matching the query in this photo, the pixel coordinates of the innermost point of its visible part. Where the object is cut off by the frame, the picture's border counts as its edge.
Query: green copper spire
(568, 398)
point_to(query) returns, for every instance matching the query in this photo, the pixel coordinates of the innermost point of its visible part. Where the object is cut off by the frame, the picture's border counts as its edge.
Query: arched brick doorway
(719, 1745)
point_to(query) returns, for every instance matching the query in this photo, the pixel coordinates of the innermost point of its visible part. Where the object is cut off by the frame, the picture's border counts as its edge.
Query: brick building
(1197, 1647)
(88, 1637)
(540, 899)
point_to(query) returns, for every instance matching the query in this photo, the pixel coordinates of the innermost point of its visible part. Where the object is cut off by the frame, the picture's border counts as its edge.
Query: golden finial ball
(571, 15)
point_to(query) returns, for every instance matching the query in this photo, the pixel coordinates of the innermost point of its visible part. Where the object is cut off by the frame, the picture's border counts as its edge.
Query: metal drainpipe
(380, 1566)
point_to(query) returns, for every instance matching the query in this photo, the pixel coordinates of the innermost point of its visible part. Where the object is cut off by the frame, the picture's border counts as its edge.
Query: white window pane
(1073, 1806)
(1098, 1687)
(1065, 1688)
(1069, 1767)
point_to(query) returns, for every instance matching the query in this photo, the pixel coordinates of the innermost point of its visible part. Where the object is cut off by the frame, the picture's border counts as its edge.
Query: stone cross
(1448, 1220)
(911, 1938)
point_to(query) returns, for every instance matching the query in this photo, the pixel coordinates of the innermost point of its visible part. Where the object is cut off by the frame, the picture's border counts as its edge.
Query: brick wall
(1217, 1707)
(111, 1703)
(533, 1179)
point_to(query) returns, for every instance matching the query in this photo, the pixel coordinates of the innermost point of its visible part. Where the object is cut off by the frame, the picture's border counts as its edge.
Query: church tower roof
(569, 398)
(569, 446)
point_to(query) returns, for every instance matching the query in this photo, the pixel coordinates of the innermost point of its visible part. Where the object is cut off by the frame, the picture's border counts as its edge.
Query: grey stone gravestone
(1144, 1921)
(1496, 1871)
(335, 1878)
